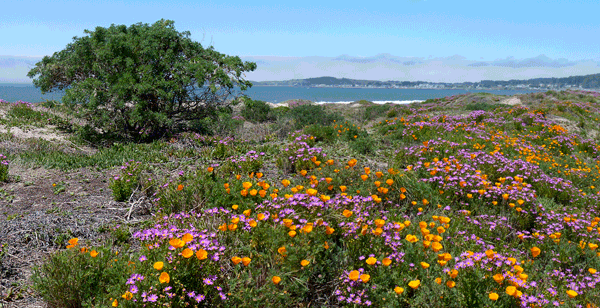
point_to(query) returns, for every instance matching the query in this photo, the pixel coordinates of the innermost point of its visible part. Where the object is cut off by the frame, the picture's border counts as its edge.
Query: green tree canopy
(142, 81)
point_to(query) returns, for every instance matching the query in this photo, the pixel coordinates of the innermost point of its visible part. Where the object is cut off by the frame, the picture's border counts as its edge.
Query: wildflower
(365, 277)
(450, 284)
(292, 233)
(329, 230)
(386, 261)
(93, 253)
(158, 265)
(493, 296)
(164, 277)
(498, 278)
(115, 303)
(371, 261)
(347, 213)
(511, 290)
(592, 271)
(304, 263)
(414, 284)
(285, 183)
(282, 251)
(411, 238)
(276, 279)
(236, 260)
(246, 261)
(535, 251)
(179, 187)
(260, 216)
(436, 246)
(127, 295)
(235, 207)
(187, 253)
(177, 243)
(453, 273)
(353, 275)
(201, 254)
(398, 290)
(311, 192)
(424, 265)
(343, 188)
(246, 185)
(73, 242)
(572, 293)
(247, 212)
(187, 238)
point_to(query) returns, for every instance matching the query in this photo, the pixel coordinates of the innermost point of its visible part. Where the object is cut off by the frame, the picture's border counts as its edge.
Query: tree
(142, 81)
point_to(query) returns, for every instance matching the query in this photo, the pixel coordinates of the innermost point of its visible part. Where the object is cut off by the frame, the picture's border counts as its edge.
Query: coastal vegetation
(474, 200)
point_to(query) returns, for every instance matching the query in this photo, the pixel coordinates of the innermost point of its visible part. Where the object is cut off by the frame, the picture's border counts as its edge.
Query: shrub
(321, 133)
(256, 111)
(123, 185)
(80, 277)
(372, 112)
(304, 115)
(3, 168)
(142, 81)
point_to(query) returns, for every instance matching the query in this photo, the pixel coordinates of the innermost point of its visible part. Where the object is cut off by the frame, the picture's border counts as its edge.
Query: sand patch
(511, 101)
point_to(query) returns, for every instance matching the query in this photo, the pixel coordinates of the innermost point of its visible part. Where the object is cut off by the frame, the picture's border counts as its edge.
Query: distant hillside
(586, 81)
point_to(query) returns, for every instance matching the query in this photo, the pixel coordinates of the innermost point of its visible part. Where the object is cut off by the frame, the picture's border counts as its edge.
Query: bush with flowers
(128, 181)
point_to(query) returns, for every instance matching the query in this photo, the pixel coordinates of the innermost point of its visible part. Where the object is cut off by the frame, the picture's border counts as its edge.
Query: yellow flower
(292, 233)
(246, 185)
(177, 243)
(414, 284)
(73, 242)
(252, 223)
(246, 261)
(187, 253)
(127, 295)
(365, 277)
(210, 169)
(260, 216)
(304, 263)
(187, 238)
(424, 265)
(247, 212)
(411, 238)
(436, 246)
(164, 277)
(281, 250)
(236, 260)
(450, 284)
(276, 279)
(510, 290)
(386, 262)
(159, 266)
(592, 271)
(115, 303)
(347, 213)
(572, 293)
(493, 296)
(371, 261)
(498, 278)
(453, 273)
(398, 290)
(535, 251)
(179, 187)
(235, 206)
(201, 254)
(438, 280)
(329, 230)
(93, 253)
(353, 275)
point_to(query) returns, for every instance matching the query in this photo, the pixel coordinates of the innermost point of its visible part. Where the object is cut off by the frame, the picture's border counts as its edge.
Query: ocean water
(29, 93)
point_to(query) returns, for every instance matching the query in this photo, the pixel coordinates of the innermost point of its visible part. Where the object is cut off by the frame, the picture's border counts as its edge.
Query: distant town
(587, 82)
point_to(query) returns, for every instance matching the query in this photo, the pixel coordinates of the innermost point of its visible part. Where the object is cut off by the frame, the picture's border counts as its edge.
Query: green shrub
(3, 168)
(321, 133)
(256, 111)
(123, 185)
(372, 112)
(304, 115)
(72, 278)
(363, 145)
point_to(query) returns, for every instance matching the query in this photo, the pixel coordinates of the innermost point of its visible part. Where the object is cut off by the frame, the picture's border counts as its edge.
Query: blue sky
(476, 30)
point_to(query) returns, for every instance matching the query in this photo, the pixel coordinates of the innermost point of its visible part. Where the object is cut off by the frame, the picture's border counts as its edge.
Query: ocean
(29, 93)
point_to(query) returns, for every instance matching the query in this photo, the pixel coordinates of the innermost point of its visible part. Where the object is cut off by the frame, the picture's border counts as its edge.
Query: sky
(425, 29)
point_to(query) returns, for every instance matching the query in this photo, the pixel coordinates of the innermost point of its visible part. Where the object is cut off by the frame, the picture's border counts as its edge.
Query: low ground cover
(457, 202)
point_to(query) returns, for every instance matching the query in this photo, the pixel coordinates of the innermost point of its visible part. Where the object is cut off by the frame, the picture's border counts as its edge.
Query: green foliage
(256, 111)
(123, 185)
(312, 114)
(3, 168)
(321, 133)
(375, 111)
(142, 81)
(72, 279)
